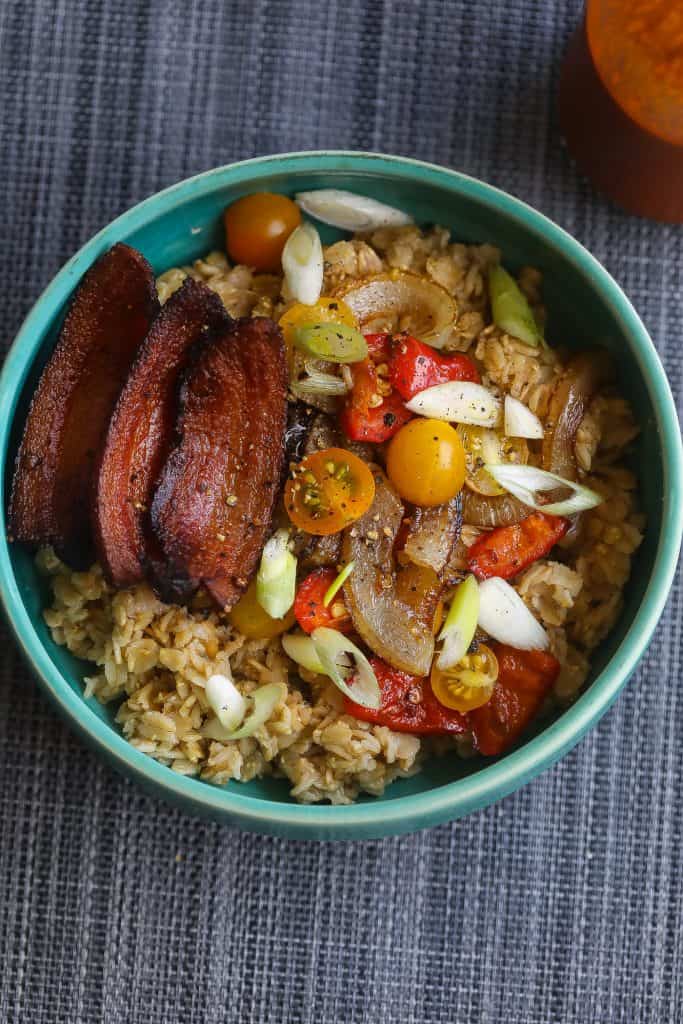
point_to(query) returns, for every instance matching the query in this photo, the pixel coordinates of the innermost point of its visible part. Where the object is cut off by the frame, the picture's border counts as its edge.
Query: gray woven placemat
(563, 903)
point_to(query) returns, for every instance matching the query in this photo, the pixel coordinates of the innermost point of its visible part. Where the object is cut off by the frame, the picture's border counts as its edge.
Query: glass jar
(621, 103)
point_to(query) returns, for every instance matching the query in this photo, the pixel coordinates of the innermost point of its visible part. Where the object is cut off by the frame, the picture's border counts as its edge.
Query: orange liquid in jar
(621, 103)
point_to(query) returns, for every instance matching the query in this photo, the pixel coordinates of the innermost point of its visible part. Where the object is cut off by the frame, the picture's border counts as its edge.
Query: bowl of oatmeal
(442, 546)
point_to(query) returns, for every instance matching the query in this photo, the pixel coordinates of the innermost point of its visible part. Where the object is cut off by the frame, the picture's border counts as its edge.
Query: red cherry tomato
(408, 705)
(368, 415)
(507, 550)
(309, 610)
(524, 679)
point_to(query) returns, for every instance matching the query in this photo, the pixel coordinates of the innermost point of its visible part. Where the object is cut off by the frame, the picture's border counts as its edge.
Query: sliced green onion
(317, 383)
(341, 659)
(349, 211)
(458, 630)
(505, 617)
(457, 401)
(511, 311)
(265, 700)
(525, 482)
(338, 583)
(519, 420)
(302, 262)
(301, 649)
(226, 701)
(337, 343)
(276, 578)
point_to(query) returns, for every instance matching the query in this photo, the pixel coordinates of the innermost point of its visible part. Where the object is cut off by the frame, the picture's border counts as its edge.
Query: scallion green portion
(301, 649)
(337, 584)
(337, 343)
(511, 311)
(458, 630)
(341, 660)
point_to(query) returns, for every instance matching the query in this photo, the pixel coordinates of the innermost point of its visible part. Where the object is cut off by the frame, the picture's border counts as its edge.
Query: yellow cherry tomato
(426, 463)
(252, 621)
(469, 684)
(328, 490)
(257, 227)
(481, 446)
(324, 311)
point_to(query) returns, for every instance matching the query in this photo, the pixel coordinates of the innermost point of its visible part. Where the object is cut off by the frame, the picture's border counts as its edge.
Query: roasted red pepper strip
(507, 550)
(408, 705)
(363, 421)
(379, 347)
(309, 610)
(524, 679)
(415, 366)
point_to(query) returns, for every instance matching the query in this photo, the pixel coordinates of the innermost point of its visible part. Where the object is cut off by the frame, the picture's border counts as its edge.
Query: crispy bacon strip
(214, 502)
(109, 316)
(141, 432)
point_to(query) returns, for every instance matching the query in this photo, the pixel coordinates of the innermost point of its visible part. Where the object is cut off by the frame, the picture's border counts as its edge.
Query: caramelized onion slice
(487, 512)
(432, 533)
(402, 301)
(584, 374)
(392, 610)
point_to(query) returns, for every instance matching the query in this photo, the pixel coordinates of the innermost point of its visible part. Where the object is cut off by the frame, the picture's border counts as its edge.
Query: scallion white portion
(458, 630)
(226, 701)
(302, 263)
(350, 211)
(519, 420)
(276, 578)
(341, 659)
(458, 401)
(526, 482)
(505, 617)
(264, 702)
(317, 383)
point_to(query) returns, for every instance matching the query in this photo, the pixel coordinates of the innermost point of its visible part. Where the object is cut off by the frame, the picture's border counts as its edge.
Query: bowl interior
(578, 317)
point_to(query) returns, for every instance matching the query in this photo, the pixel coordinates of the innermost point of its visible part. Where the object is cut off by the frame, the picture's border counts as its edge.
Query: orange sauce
(637, 48)
(621, 103)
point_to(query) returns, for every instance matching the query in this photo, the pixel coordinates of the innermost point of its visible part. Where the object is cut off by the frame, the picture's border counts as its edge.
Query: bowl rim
(445, 802)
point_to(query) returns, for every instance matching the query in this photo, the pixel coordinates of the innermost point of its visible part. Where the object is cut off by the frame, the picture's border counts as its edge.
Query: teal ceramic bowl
(585, 306)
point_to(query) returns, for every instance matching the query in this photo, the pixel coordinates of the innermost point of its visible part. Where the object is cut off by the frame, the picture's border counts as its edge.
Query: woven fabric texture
(561, 904)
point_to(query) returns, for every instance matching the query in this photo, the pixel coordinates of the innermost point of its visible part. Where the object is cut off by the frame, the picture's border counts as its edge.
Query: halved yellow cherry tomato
(482, 445)
(257, 227)
(328, 490)
(469, 684)
(253, 621)
(426, 462)
(324, 311)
